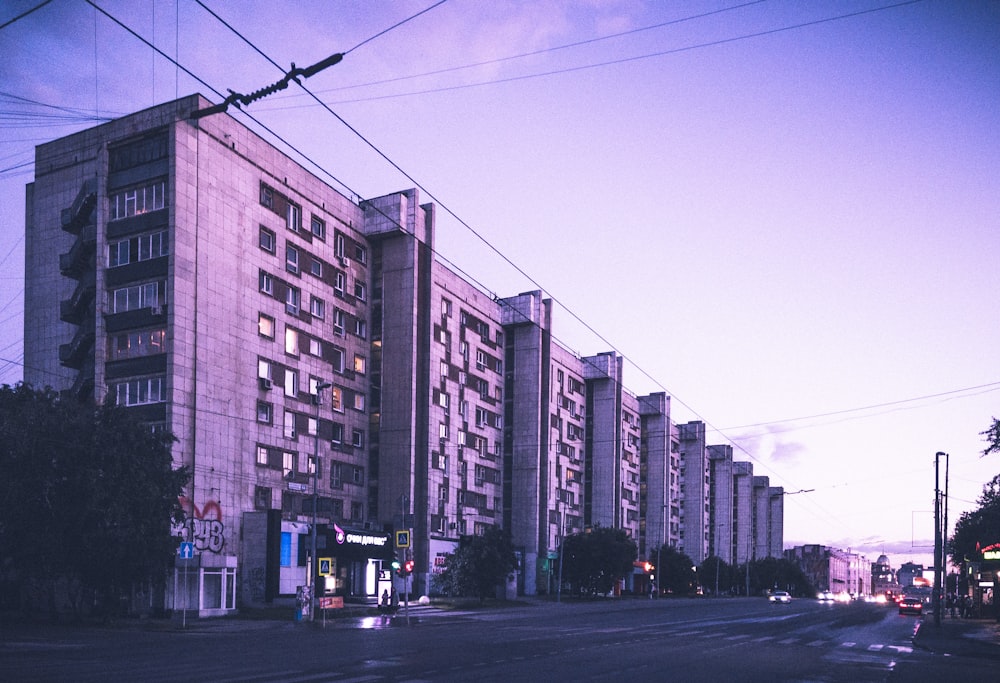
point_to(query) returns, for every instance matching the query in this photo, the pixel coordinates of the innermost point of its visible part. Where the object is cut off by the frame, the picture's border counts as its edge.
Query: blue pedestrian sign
(186, 550)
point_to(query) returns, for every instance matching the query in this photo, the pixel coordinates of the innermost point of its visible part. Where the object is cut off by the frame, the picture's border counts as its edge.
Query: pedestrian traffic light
(407, 567)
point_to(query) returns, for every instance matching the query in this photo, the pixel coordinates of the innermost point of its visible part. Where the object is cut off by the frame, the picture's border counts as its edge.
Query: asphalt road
(652, 640)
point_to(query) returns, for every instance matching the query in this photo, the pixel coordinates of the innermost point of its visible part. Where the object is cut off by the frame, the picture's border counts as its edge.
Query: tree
(992, 438)
(87, 499)
(779, 574)
(480, 565)
(976, 529)
(595, 560)
(715, 571)
(676, 573)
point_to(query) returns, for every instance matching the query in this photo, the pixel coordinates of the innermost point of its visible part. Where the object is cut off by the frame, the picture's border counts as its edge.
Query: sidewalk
(978, 638)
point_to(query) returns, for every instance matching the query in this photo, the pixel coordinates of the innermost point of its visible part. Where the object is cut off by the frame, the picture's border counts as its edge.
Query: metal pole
(937, 542)
(562, 543)
(314, 563)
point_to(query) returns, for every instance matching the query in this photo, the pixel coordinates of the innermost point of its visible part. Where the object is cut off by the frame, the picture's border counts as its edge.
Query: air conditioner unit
(265, 383)
(345, 262)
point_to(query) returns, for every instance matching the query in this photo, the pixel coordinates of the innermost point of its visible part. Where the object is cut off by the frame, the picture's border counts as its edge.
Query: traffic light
(648, 567)
(395, 563)
(407, 567)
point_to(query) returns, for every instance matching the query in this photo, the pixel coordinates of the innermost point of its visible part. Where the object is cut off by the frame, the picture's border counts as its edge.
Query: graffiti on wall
(204, 526)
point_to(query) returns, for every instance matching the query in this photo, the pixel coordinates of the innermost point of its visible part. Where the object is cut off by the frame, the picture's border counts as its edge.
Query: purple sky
(768, 224)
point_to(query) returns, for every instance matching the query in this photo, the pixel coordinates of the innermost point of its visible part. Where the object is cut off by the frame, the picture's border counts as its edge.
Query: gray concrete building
(317, 363)
(722, 517)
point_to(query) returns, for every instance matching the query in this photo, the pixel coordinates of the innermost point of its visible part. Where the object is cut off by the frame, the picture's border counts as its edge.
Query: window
(137, 200)
(445, 308)
(262, 455)
(338, 245)
(291, 383)
(317, 307)
(444, 369)
(267, 241)
(318, 228)
(266, 283)
(339, 323)
(315, 348)
(291, 341)
(289, 424)
(311, 426)
(136, 344)
(292, 299)
(359, 402)
(137, 296)
(266, 196)
(444, 400)
(443, 431)
(361, 328)
(480, 360)
(264, 369)
(316, 267)
(337, 360)
(291, 259)
(265, 326)
(339, 283)
(359, 476)
(360, 253)
(357, 512)
(359, 364)
(294, 217)
(463, 409)
(357, 438)
(265, 412)
(464, 349)
(359, 290)
(140, 391)
(337, 399)
(338, 433)
(118, 253)
(287, 462)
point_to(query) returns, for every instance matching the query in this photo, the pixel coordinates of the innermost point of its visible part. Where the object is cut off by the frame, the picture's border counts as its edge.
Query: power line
(22, 15)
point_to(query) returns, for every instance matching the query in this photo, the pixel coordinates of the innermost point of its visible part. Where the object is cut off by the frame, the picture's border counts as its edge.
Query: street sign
(325, 566)
(186, 550)
(403, 539)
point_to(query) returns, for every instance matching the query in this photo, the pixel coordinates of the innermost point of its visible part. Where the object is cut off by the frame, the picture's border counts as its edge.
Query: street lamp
(313, 575)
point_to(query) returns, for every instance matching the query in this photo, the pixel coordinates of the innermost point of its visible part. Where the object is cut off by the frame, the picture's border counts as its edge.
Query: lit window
(315, 348)
(291, 341)
(359, 364)
(337, 399)
(265, 326)
(359, 402)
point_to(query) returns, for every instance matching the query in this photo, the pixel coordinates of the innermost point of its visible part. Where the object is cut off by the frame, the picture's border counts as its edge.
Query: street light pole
(313, 569)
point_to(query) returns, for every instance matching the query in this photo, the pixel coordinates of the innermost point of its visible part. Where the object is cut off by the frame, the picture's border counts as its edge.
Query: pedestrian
(384, 602)
(652, 589)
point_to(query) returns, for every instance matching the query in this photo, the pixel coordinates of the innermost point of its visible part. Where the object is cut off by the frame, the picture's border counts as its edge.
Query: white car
(779, 596)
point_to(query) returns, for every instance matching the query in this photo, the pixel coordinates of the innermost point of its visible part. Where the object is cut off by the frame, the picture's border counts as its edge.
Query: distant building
(831, 569)
(883, 577)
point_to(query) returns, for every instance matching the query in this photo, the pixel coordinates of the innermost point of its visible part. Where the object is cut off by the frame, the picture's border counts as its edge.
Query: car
(779, 596)
(825, 596)
(911, 606)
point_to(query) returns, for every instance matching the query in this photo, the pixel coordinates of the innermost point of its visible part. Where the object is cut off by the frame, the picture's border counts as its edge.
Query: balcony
(73, 354)
(74, 309)
(79, 258)
(80, 211)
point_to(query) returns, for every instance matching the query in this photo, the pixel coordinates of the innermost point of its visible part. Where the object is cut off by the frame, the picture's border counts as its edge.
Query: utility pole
(314, 563)
(938, 540)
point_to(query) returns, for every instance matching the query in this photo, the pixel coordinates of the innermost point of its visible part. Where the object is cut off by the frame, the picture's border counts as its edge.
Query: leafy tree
(992, 438)
(595, 560)
(977, 528)
(87, 499)
(676, 571)
(779, 574)
(714, 570)
(480, 565)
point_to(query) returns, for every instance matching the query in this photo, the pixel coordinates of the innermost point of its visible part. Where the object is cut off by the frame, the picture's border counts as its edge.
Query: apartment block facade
(317, 363)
